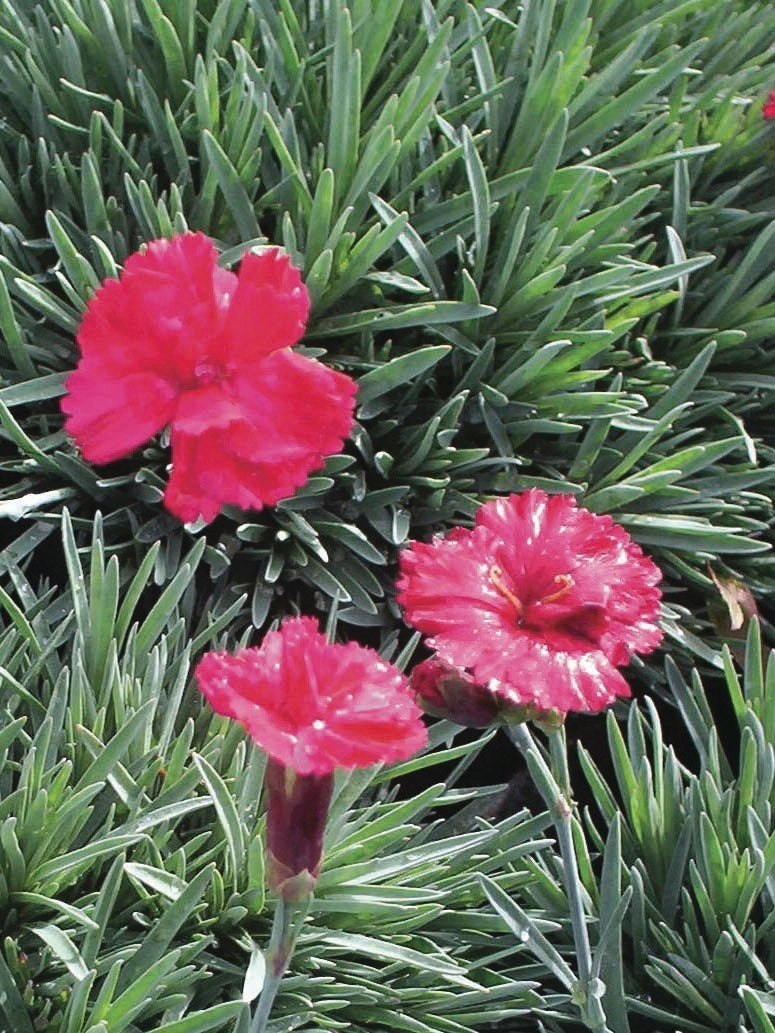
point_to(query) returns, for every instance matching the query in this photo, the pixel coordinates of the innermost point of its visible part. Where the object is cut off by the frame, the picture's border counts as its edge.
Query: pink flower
(315, 706)
(312, 707)
(177, 340)
(541, 601)
(768, 108)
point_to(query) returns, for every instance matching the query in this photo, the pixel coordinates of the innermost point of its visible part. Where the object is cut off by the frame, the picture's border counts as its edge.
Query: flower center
(207, 373)
(496, 576)
(564, 583)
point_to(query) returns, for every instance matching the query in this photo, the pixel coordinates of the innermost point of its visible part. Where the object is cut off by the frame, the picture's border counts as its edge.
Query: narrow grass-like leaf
(255, 974)
(760, 1008)
(480, 194)
(398, 371)
(607, 115)
(53, 904)
(157, 942)
(402, 316)
(11, 1002)
(387, 951)
(64, 949)
(162, 610)
(75, 1014)
(344, 106)
(208, 1019)
(13, 335)
(526, 932)
(112, 751)
(319, 222)
(146, 979)
(60, 867)
(415, 247)
(233, 190)
(168, 885)
(228, 816)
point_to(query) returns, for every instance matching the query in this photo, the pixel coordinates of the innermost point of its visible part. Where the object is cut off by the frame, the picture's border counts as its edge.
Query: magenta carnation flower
(179, 341)
(312, 707)
(541, 601)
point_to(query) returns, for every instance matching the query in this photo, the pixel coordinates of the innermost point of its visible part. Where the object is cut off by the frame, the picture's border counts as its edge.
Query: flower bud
(296, 811)
(450, 692)
(446, 691)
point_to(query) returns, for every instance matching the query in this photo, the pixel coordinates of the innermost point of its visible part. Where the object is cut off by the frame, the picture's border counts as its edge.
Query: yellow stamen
(565, 583)
(496, 576)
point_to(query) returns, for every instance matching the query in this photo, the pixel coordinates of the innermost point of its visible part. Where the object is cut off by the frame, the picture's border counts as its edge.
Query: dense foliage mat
(540, 236)
(540, 243)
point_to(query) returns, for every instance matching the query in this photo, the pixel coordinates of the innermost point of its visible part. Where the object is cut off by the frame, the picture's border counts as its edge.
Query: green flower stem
(563, 823)
(288, 918)
(554, 786)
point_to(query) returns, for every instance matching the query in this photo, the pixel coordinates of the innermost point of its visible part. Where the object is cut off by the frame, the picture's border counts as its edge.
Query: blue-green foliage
(540, 236)
(519, 231)
(132, 869)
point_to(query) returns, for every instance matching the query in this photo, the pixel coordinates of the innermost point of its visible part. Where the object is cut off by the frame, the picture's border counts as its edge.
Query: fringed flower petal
(541, 601)
(314, 706)
(178, 340)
